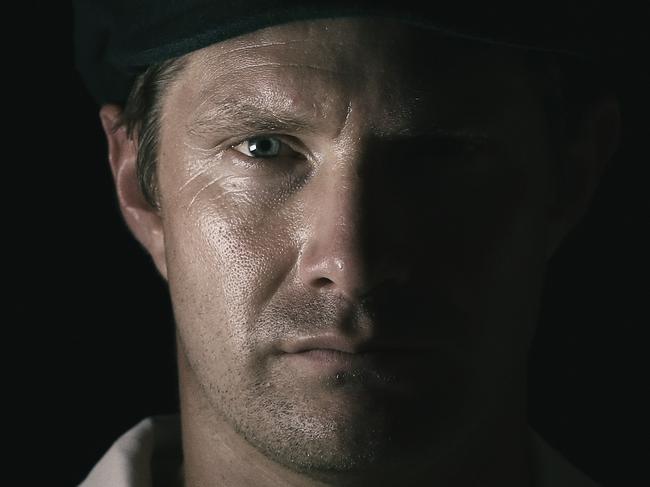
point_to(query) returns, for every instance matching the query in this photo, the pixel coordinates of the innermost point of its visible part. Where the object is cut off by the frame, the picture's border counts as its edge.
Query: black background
(97, 317)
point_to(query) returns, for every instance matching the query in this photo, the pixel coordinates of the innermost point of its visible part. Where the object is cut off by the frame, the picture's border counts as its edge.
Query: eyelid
(287, 140)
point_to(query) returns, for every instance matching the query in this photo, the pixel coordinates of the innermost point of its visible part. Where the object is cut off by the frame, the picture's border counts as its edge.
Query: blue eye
(260, 147)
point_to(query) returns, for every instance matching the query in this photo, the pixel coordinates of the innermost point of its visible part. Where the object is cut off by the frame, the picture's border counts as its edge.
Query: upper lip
(342, 344)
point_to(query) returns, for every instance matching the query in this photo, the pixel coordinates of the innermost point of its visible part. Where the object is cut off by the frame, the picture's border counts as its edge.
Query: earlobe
(584, 162)
(144, 221)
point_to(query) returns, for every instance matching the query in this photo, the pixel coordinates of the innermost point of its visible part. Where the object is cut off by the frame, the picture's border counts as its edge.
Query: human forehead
(394, 71)
(329, 41)
(348, 48)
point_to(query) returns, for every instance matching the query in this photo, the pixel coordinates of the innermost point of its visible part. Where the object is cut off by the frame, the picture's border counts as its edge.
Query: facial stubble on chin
(298, 425)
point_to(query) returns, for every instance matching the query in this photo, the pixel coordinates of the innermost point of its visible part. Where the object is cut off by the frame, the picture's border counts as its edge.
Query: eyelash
(447, 147)
(281, 139)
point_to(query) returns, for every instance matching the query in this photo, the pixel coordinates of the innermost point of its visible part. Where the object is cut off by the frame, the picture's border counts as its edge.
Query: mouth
(343, 361)
(393, 372)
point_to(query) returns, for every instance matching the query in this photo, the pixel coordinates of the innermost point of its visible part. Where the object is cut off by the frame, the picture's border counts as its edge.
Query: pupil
(264, 145)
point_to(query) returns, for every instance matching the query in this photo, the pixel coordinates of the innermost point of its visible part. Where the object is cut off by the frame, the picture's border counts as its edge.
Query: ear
(143, 220)
(581, 166)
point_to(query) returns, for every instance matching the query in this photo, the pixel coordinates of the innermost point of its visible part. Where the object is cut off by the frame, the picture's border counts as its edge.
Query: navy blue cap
(115, 40)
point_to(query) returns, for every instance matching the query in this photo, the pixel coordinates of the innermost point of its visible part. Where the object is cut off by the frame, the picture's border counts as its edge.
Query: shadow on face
(364, 179)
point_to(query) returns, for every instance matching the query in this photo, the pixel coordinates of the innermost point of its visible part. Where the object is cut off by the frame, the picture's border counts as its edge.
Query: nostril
(322, 282)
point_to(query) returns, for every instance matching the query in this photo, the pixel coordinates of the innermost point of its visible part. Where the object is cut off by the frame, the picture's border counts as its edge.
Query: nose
(350, 247)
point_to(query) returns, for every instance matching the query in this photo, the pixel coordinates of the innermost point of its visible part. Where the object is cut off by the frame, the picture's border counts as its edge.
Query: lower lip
(380, 363)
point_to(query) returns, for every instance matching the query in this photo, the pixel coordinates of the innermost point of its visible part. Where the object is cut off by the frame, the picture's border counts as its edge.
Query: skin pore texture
(411, 205)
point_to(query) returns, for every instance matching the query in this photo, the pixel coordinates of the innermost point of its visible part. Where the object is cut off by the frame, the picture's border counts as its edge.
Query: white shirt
(150, 453)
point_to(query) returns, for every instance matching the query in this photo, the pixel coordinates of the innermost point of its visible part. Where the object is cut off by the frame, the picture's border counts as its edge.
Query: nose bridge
(344, 218)
(334, 252)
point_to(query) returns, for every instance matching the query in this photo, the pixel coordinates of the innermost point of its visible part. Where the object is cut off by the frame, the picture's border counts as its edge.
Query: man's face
(356, 179)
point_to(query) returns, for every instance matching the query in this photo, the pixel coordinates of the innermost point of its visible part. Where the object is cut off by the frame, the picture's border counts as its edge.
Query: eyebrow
(243, 116)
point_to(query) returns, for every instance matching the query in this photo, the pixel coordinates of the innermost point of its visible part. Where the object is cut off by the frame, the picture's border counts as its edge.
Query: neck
(495, 454)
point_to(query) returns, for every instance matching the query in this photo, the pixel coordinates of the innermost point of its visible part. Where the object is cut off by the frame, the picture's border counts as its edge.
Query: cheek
(489, 248)
(227, 251)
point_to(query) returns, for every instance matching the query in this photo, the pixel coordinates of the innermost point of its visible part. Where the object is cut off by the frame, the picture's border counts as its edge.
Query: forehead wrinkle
(220, 75)
(212, 78)
(314, 31)
(261, 45)
(296, 65)
(213, 62)
(266, 101)
(258, 46)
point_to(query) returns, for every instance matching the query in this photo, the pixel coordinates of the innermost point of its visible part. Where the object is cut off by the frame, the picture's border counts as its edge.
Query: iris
(264, 147)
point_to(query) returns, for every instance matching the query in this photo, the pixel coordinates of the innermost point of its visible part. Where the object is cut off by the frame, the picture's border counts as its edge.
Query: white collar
(151, 450)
